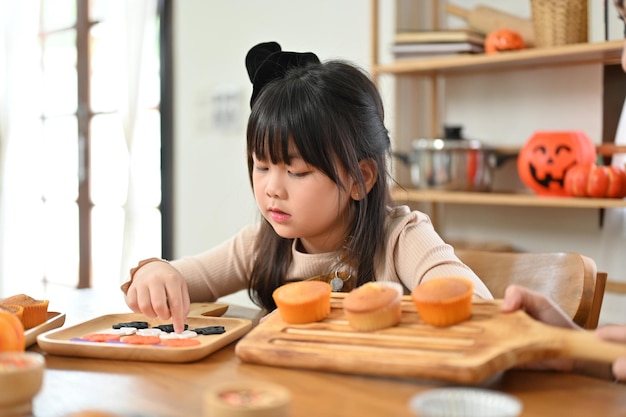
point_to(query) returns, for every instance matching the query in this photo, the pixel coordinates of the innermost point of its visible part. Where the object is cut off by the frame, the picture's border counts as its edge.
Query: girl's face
(299, 201)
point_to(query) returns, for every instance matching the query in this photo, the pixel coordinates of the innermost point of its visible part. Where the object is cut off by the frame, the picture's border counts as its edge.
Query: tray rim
(57, 341)
(54, 320)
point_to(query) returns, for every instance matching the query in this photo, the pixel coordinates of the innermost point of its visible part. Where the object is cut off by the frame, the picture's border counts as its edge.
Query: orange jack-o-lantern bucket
(546, 157)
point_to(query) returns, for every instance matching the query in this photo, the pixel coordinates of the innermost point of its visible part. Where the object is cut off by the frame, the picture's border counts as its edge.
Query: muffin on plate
(303, 301)
(34, 311)
(444, 301)
(374, 306)
(14, 309)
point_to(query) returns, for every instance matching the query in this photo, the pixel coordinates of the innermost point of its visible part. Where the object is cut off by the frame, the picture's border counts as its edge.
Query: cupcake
(303, 301)
(373, 306)
(444, 301)
(34, 311)
(14, 309)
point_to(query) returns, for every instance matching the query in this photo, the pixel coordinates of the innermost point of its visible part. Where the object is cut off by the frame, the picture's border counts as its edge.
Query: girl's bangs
(293, 115)
(270, 140)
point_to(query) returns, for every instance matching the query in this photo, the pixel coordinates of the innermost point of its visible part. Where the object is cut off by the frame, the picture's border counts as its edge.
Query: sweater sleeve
(222, 270)
(419, 254)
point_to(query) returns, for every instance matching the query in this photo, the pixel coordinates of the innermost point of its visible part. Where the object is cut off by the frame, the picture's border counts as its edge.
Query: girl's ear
(369, 169)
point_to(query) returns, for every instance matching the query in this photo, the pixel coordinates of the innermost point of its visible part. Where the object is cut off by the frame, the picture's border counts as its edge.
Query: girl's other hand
(615, 333)
(539, 307)
(536, 305)
(159, 290)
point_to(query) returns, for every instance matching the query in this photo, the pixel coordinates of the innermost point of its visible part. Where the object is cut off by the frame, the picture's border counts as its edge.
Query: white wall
(212, 194)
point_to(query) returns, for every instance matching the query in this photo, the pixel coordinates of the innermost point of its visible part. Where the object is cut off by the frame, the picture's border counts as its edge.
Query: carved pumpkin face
(503, 40)
(546, 157)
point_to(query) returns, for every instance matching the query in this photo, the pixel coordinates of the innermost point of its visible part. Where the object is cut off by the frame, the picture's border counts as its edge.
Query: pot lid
(447, 144)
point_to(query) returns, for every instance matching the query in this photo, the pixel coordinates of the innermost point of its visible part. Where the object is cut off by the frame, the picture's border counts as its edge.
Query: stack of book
(436, 43)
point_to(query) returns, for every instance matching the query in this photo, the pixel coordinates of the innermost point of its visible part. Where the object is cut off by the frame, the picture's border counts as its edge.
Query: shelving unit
(606, 53)
(603, 53)
(502, 199)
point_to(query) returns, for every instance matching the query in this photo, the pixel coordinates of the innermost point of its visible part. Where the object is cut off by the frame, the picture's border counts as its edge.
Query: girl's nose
(274, 187)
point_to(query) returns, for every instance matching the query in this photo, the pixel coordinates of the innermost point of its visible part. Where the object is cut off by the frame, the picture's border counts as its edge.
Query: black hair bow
(266, 62)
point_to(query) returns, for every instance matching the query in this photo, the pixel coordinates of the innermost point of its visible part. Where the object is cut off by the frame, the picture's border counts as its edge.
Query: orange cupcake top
(303, 301)
(20, 299)
(442, 290)
(301, 292)
(369, 297)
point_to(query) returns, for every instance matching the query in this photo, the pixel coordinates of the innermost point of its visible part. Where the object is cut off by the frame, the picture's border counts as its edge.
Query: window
(91, 205)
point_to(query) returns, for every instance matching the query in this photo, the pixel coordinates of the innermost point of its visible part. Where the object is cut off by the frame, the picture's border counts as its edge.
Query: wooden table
(176, 390)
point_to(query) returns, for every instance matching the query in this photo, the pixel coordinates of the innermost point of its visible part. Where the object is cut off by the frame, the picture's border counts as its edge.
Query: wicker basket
(559, 22)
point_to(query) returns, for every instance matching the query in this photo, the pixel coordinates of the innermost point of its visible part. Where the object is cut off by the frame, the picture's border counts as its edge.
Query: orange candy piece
(180, 342)
(101, 337)
(141, 340)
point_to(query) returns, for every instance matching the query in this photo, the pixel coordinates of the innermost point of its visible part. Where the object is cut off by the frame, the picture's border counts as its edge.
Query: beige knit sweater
(414, 253)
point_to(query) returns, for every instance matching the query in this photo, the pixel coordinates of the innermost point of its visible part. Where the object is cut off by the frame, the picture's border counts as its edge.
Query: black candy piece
(210, 330)
(169, 328)
(135, 324)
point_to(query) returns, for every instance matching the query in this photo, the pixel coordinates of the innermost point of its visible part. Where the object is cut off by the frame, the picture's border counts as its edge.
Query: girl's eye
(260, 167)
(299, 174)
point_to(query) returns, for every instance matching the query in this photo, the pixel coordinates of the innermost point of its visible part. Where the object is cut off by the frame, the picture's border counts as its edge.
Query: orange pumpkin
(589, 180)
(503, 40)
(546, 157)
(11, 333)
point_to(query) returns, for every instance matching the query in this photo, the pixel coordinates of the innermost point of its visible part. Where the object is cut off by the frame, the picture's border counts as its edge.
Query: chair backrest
(570, 279)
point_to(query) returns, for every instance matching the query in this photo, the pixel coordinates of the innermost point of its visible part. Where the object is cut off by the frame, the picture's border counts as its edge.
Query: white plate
(464, 402)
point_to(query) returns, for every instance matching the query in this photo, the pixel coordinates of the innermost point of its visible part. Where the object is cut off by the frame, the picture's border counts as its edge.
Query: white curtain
(20, 195)
(21, 252)
(131, 18)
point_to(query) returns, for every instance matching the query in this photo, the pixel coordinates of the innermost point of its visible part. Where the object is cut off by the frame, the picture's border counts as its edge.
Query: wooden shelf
(501, 199)
(583, 53)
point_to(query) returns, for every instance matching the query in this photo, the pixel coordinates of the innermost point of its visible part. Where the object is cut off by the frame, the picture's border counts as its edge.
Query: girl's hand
(615, 333)
(159, 290)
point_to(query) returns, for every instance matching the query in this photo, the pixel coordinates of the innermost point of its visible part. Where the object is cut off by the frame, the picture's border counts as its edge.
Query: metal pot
(450, 164)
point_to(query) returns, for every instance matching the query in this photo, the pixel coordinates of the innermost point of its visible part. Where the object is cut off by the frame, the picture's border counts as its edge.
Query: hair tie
(266, 62)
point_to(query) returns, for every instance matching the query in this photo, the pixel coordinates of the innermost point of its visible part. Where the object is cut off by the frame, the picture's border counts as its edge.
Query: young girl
(317, 161)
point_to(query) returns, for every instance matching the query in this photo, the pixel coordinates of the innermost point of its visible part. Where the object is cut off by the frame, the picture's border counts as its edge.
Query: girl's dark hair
(334, 114)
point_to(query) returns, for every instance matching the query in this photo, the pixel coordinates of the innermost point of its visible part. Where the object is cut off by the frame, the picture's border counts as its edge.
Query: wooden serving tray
(53, 321)
(62, 342)
(469, 352)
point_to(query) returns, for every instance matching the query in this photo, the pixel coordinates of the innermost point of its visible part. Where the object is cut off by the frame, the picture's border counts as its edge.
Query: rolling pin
(486, 19)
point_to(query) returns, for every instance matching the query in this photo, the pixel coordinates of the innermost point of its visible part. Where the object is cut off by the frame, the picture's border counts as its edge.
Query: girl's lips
(279, 216)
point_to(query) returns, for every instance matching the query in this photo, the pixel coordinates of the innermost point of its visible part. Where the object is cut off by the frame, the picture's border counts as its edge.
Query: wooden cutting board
(469, 352)
(65, 341)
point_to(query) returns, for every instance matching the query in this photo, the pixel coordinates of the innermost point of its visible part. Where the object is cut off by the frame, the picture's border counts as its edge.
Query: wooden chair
(570, 279)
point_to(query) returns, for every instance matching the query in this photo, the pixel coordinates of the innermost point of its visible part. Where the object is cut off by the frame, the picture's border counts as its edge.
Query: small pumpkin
(11, 333)
(546, 157)
(590, 180)
(503, 40)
